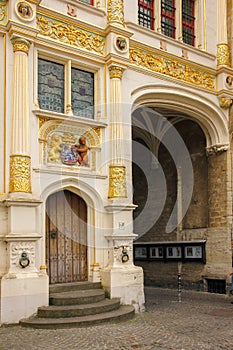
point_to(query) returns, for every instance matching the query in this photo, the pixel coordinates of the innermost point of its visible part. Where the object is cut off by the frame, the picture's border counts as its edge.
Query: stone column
(223, 52)
(117, 172)
(24, 285)
(20, 161)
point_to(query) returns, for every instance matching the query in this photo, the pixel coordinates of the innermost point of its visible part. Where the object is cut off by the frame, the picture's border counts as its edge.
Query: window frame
(172, 17)
(149, 8)
(190, 25)
(198, 27)
(68, 65)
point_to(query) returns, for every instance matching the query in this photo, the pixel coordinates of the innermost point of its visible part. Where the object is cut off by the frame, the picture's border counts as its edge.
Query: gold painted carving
(225, 102)
(116, 11)
(3, 11)
(54, 143)
(117, 182)
(223, 55)
(70, 34)
(20, 173)
(115, 72)
(172, 68)
(91, 134)
(20, 44)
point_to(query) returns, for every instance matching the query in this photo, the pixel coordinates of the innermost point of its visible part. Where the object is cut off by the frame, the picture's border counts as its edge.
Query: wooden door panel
(66, 237)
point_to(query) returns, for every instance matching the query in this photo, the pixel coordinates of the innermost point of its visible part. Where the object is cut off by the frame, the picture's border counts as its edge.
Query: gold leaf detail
(117, 182)
(20, 174)
(70, 34)
(173, 68)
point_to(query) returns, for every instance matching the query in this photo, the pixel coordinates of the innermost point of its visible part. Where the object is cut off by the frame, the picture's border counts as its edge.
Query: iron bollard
(179, 287)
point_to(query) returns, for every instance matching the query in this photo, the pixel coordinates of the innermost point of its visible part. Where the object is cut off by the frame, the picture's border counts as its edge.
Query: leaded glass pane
(146, 13)
(51, 85)
(168, 18)
(188, 21)
(82, 93)
(90, 2)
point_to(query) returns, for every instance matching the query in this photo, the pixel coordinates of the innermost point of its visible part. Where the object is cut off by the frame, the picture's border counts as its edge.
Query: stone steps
(121, 314)
(77, 297)
(54, 311)
(78, 304)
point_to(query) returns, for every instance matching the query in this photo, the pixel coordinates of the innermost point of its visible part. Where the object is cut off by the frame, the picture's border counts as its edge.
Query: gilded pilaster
(117, 172)
(223, 55)
(20, 162)
(116, 11)
(223, 52)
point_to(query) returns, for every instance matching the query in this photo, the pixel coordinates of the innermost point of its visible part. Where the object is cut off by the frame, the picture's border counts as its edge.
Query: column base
(95, 272)
(125, 283)
(22, 294)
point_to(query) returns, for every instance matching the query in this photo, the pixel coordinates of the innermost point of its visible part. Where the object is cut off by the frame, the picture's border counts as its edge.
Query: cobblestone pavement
(202, 321)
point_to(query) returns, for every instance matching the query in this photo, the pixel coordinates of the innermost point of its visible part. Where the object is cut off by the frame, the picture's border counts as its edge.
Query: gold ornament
(173, 68)
(2, 12)
(223, 55)
(115, 11)
(20, 173)
(115, 72)
(20, 44)
(70, 34)
(117, 182)
(225, 102)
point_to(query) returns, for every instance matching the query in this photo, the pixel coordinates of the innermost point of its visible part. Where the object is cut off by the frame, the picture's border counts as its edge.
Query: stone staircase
(78, 304)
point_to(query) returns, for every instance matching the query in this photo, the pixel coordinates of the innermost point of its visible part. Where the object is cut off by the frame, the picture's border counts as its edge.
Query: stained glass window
(51, 85)
(168, 18)
(82, 93)
(146, 13)
(90, 2)
(188, 20)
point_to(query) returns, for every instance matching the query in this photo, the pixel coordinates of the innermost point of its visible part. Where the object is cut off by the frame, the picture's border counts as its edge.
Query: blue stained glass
(51, 85)
(82, 93)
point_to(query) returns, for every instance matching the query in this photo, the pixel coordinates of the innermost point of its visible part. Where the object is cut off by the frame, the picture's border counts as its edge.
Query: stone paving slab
(202, 321)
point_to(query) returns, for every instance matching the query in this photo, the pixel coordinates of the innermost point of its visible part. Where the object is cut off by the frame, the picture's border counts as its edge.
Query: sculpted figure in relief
(54, 152)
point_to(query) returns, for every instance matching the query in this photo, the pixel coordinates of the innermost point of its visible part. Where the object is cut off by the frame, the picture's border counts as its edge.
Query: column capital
(20, 44)
(116, 11)
(116, 72)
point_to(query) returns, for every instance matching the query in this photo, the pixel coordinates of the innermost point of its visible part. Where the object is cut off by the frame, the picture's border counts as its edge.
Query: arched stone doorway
(156, 161)
(66, 237)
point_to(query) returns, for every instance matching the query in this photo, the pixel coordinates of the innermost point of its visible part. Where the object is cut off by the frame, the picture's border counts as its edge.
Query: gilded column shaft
(20, 163)
(117, 171)
(223, 52)
(116, 11)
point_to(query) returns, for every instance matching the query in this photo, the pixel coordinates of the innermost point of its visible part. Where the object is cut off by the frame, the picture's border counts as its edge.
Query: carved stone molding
(70, 34)
(17, 248)
(172, 67)
(20, 173)
(117, 182)
(216, 149)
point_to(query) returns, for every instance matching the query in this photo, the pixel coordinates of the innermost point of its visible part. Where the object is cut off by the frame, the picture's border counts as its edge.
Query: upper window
(168, 18)
(146, 13)
(173, 18)
(52, 85)
(188, 22)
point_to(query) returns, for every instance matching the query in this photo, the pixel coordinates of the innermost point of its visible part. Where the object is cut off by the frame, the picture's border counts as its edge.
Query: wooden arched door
(66, 237)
